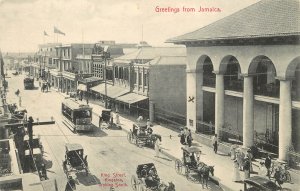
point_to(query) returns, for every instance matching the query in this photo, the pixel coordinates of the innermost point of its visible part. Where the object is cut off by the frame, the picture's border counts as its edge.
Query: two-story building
(140, 72)
(65, 76)
(43, 61)
(243, 75)
(103, 69)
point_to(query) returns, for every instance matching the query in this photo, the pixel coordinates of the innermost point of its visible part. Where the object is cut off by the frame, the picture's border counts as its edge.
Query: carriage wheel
(134, 183)
(186, 171)
(286, 177)
(178, 166)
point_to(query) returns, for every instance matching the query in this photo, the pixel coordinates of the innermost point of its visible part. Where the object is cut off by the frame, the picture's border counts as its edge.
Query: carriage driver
(151, 179)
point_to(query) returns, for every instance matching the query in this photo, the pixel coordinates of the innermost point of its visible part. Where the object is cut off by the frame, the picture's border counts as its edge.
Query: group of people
(45, 86)
(241, 162)
(185, 136)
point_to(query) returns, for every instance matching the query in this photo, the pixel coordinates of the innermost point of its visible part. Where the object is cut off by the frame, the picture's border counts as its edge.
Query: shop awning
(115, 91)
(131, 98)
(112, 91)
(81, 87)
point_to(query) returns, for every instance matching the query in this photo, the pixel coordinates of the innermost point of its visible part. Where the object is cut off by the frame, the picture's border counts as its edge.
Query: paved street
(108, 151)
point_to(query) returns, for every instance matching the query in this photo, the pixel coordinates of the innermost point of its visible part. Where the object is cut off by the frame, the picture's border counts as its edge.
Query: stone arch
(203, 60)
(258, 60)
(231, 70)
(292, 67)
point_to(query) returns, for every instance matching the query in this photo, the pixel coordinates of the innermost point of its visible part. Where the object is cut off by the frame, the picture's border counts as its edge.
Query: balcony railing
(234, 85)
(72, 71)
(270, 90)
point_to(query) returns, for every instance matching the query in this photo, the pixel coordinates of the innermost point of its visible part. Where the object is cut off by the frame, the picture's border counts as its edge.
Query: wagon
(75, 159)
(147, 179)
(140, 137)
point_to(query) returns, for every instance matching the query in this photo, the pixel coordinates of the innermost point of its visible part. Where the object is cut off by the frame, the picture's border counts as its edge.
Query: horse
(203, 172)
(164, 187)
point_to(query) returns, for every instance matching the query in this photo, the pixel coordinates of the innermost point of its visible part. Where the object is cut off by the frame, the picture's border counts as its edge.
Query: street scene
(212, 106)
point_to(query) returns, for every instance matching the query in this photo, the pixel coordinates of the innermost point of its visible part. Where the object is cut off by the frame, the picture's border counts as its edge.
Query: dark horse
(203, 172)
(164, 187)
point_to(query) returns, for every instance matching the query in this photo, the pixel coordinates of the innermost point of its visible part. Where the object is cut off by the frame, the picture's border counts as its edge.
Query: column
(248, 115)
(151, 111)
(285, 119)
(191, 105)
(143, 70)
(219, 103)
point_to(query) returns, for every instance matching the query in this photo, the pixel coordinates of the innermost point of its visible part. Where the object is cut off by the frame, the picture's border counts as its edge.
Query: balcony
(209, 81)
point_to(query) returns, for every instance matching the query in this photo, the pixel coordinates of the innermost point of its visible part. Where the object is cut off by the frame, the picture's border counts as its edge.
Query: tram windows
(82, 114)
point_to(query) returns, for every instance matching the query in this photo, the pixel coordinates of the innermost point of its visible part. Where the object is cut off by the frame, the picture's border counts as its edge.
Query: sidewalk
(222, 163)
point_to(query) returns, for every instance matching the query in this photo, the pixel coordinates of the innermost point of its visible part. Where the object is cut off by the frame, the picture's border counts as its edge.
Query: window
(146, 79)
(135, 78)
(116, 72)
(140, 78)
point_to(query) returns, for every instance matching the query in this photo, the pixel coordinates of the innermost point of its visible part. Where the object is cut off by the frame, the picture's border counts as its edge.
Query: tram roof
(72, 104)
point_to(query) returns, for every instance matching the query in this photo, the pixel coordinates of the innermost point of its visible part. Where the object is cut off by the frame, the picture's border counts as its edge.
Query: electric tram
(76, 116)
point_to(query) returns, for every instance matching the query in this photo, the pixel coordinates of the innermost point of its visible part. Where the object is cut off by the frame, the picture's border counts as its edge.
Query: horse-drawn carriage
(140, 136)
(148, 180)
(75, 159)
(17, 114)
(105, 117)
(192, 166)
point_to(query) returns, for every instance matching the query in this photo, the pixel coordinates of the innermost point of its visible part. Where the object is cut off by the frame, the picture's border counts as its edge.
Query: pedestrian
(157, 147)
(148, 123)
(215, 143)
(117, 118)
(111, 118)
(140, 119)
(233, 151)
(181, 135)
(268, 163)
(250, 157)
(246, 167)
(81, 95)
(236, 172)
(189, 138)
(278, 177)
(100, 120)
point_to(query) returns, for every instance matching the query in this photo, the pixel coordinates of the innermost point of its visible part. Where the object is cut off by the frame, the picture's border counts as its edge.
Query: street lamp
(105, 56)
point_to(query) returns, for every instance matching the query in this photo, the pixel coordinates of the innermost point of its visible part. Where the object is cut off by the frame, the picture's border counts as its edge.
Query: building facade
(250, 72)
(65, 76)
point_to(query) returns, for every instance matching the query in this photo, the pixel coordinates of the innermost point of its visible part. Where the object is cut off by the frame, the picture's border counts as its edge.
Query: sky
(23, 22)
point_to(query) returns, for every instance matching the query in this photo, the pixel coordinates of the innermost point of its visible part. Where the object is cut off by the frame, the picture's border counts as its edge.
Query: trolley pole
(105, 56)
(105, 80)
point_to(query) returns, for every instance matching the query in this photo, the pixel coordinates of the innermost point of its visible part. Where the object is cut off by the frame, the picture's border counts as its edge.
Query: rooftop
(168, 60)
(148, 53)
(267, 18)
